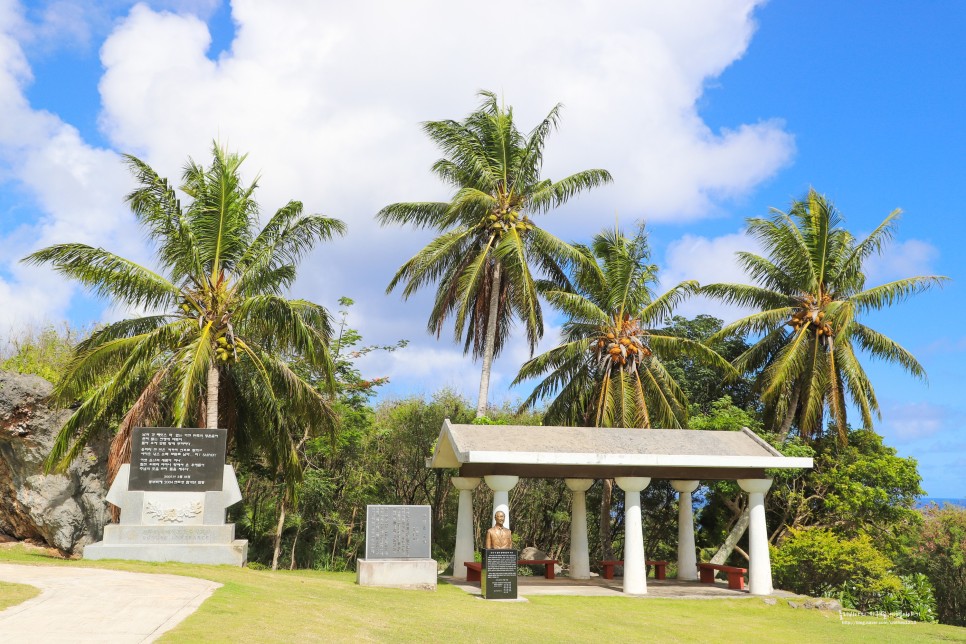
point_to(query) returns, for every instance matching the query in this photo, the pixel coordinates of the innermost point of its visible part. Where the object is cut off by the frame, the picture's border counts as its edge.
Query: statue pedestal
(411, 574)
(172, 526)
(499, 574)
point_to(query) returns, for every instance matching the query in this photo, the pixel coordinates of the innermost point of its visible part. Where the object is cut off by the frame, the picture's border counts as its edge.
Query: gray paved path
(92, 605)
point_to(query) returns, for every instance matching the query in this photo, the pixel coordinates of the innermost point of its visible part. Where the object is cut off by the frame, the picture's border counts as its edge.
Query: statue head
(499, 517)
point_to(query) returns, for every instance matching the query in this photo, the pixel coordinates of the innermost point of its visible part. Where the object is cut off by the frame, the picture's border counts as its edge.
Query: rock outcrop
(64, 510)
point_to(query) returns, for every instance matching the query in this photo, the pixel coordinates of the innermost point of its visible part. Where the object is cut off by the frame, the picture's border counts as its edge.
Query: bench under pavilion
(501, 454)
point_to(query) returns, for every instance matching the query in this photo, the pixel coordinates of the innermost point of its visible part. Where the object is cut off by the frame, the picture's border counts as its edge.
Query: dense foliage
(940, 552)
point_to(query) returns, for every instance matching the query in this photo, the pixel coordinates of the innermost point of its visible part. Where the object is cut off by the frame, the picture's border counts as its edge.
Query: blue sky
(705, 112)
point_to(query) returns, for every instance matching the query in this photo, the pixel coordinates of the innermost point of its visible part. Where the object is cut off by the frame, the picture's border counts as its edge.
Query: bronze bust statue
(498, 537)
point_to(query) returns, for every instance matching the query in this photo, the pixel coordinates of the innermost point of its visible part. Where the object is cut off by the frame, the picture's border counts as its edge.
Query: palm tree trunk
(211, 421)
(731, 542)
(607, 494)
(278, 535)
(489, 341)
(790, 414)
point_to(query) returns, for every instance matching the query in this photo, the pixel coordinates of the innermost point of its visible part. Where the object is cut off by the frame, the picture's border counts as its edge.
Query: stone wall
(65, 511)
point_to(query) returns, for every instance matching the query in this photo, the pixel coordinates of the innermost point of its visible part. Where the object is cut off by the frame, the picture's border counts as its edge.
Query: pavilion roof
(595, 452)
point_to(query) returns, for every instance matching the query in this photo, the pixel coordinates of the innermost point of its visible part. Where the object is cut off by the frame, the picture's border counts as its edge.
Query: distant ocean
(923, 502)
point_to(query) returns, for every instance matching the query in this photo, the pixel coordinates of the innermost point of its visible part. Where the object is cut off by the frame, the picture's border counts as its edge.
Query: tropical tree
(488, 242)
(214, 350)
(609, 370)
(810, 293)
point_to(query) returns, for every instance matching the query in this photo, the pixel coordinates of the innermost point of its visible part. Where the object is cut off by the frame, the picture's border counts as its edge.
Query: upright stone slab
(173, 499)
(499, 575)
(398, 548)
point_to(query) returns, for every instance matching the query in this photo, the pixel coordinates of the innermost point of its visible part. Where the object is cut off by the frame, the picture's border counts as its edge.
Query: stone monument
(173, 497)
(398, 548)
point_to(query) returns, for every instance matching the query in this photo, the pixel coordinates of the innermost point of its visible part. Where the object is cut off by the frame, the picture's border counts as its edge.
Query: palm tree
(487, 244)
(214, 351)
(608, 371)
(811, 293)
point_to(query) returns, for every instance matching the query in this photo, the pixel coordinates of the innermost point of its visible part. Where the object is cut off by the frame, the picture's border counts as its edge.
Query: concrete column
(465, 548)
(687, 553)
(635, 571)
(501, 485)
(759, 564)
(579, 552)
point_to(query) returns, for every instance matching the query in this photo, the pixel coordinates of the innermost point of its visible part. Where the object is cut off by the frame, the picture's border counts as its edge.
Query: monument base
(188, 527)
(412, 574)
(234, 553)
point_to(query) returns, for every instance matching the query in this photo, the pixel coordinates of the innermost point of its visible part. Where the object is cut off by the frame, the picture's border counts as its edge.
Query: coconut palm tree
(488, 242)
(608, 370)
(213, 350)
(811, 292)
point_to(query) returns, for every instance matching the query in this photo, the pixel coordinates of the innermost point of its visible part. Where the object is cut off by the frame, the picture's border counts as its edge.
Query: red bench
(474, 569)
(736, 576)
(660, 568)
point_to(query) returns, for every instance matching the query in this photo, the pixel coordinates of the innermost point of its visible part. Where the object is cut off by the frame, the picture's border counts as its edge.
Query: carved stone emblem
(174, 515)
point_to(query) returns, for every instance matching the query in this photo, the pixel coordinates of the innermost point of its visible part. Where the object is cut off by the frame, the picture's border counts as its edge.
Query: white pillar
(759, 564)
(501, 485)
(465, 549)
(579, 552)
(635, 570)
(687, 557)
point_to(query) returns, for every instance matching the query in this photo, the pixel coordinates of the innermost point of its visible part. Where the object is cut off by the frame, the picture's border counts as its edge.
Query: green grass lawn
(262, 606)
(13, 594)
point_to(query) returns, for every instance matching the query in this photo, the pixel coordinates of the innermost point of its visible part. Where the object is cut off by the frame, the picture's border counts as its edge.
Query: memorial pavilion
(501, 454)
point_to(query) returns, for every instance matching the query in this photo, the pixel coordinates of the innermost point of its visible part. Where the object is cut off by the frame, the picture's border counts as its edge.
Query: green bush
(816, 562)
(941, 555)
(915, 600)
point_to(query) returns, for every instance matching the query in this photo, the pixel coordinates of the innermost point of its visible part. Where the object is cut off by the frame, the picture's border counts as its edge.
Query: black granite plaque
(171, 459)
(499, 574)
(398, 532)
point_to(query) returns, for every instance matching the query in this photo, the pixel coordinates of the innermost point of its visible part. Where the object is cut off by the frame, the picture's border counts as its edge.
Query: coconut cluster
(624, 346)
(224, 337)
(506, 219)
(810, 313)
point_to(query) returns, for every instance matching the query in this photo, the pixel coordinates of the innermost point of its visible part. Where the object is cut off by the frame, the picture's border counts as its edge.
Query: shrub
(816, 562)
(941, 555)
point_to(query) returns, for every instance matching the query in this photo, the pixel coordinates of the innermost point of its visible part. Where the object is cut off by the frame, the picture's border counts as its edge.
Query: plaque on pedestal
(398, 548)
(173, 497)
(499, 574)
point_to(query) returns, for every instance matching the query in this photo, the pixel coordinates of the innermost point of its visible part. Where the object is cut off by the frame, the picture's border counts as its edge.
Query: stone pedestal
(172, 526)
(411, 574)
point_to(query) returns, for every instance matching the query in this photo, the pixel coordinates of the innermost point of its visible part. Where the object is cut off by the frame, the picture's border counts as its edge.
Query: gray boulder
(532, 554)
(66, 510)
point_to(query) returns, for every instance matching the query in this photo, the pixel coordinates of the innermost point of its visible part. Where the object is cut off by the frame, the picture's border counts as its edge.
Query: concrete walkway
(600, 587)
(91, 605)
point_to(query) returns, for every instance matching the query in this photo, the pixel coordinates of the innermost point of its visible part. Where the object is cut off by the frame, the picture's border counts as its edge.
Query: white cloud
(327, 99)
(916, 420)
(709, 260)
(77, 188)
(900, 260)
